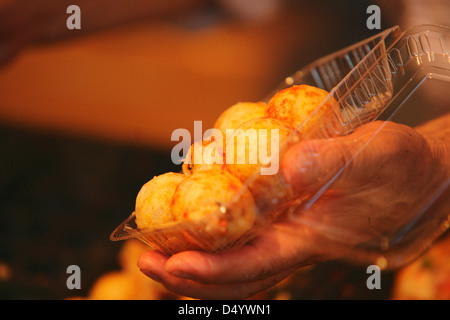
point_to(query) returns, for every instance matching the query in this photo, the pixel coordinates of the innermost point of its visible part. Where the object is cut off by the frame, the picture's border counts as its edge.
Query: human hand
(392, 169)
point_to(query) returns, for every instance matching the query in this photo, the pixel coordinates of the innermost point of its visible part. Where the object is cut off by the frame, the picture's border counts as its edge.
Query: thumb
(310, 165)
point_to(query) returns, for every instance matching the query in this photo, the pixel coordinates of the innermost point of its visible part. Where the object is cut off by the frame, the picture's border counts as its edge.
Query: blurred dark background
(86, 118)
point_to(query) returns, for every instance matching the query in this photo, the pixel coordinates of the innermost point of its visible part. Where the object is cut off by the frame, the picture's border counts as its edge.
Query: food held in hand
(298, 107)
(154, 198)
(253, 155)
(204, 155)
(233, 182)
(220, 205)
(239, 113)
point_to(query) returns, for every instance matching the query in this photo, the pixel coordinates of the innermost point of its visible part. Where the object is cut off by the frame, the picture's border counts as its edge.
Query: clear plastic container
(397, 76)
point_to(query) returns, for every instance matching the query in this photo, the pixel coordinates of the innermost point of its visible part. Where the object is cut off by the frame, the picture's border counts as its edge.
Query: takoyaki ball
(154, 198)
(204, 155)
(220, 205)
(253, 155)
(239, 113)
(297, 106)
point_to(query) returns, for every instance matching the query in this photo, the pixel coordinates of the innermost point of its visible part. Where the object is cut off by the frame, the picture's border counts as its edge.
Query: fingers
(240, 266)
(282, 247)
(343, 161)
(310, 165)
(153, 265)
(255, 261)
(236, 274)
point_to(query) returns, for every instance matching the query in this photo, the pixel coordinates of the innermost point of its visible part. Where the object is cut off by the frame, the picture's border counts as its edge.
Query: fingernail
(181, 274)
(152, 275)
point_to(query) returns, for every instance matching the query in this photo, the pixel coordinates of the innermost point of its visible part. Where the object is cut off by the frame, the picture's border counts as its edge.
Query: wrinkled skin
(372, 196)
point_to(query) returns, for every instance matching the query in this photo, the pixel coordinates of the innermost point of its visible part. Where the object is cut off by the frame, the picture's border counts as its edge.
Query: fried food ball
(204, 155)
(239, 113)
(122, 285)
(114, 285)
(297, 106)
(221, 205)
(253, 155)
(153, 200)
(129, 283)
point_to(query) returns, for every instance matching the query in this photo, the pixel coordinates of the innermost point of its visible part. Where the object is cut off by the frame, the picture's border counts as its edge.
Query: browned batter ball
(239, 113)
(246, 159)
(154, 198)
(297, 106)
(204, 155)
(219, 202)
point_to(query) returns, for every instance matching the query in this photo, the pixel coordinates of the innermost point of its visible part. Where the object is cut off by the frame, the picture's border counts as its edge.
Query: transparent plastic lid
(375, 77)
(396, 76)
